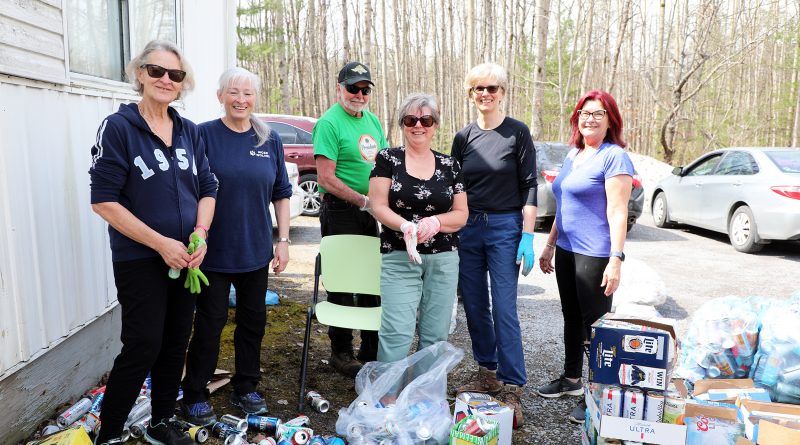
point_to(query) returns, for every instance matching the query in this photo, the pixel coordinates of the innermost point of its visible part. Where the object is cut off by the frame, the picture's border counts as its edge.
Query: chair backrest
(351, 263)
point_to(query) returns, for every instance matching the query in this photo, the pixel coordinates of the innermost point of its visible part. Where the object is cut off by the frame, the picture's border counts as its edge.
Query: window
(705, 167)
(290, 134)
(737, 163)
(103, 35)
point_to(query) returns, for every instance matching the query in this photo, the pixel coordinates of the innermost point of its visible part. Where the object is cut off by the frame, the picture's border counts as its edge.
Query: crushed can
(301, 420)
(138, 428)
(236, 422)
(198, 433)
(269, 425)
(222, 430)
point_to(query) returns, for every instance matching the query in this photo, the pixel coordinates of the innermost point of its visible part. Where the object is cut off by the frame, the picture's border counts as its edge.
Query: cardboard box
(635, 430)
(631, 352)
(728, 390)
(75, 436)
(712, 424)
(774, 434)
(486, 406)
(744, 441)
(460, 438)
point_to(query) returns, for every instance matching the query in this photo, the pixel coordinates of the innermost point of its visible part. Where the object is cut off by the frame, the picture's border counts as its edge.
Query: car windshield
(555, 153)
(786, 160)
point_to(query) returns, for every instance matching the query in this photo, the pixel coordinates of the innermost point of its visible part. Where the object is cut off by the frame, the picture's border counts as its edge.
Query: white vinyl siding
(32, 40)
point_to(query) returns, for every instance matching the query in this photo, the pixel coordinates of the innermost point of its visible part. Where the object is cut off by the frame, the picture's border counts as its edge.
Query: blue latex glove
(525, 250)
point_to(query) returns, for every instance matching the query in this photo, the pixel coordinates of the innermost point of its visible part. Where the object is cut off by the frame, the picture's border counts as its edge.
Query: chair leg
(301, 400)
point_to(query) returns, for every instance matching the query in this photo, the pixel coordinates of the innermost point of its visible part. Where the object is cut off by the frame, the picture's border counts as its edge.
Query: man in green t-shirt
(346, 139)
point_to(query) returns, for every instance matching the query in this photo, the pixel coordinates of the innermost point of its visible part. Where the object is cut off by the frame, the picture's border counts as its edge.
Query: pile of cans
(231, 429)
(632, 403)
(385, 424)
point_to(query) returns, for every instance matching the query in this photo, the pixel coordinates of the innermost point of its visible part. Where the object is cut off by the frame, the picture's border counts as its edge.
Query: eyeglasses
(352, 89)
(597, 114)
(157, 72)
(490, 88)
(411, 121)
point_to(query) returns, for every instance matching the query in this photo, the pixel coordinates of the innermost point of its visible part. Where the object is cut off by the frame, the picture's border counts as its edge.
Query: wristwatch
(619, 254)
(285, 240)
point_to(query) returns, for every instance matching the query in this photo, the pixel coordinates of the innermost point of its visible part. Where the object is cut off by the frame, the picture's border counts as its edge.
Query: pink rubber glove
(427, 228)
(409, 230)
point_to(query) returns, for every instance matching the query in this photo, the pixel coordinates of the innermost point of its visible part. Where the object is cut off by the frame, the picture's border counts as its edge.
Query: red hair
(614, 133)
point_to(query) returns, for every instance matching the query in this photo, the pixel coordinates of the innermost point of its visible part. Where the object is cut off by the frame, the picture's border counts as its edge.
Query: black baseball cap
(355, 72)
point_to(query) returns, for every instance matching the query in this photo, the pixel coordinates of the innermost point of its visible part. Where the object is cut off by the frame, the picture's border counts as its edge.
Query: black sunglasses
(491, 88)
(352, 89)
(411, 121)
(157, 72)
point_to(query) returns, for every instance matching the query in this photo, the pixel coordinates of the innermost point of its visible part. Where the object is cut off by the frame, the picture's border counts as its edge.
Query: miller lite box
(631, 352)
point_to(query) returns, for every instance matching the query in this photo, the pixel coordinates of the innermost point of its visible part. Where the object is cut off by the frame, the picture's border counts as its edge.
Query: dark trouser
(210, 319)
(582, 303)
(338, 217)
(156, 323)
(488, 243)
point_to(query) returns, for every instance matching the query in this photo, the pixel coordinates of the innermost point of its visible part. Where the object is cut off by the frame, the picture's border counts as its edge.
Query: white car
(296, 200)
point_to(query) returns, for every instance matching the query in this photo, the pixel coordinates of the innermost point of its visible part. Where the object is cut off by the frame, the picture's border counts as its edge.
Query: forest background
(689, 75)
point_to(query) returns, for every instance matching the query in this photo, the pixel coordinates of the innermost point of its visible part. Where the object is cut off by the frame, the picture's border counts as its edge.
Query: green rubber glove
(194, 276)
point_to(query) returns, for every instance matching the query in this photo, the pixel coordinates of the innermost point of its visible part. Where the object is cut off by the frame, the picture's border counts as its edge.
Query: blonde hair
(141, 59)
(486, 71)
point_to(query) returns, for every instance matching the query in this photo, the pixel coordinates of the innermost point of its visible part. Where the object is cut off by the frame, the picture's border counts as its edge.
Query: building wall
(59, 318)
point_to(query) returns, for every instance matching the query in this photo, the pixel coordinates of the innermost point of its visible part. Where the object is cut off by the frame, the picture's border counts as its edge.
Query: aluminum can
(654, 407)
(267, 441)
(633, 404)
(139, 410)
(236, 439)
(97, 402)
(423, 432)
(674, 407)
(138, 428)
(198, 433)
(334, 441)
(91, 422)
(236, 422)
(74, 413)
(285, 442)
(301, 420)
(269, 425)
(147, 386)
(317, 440)
(301, 437)
(355, 430)
(97, 391)
(611, 403)
(724, 363)
(318, 402)
(223, 430)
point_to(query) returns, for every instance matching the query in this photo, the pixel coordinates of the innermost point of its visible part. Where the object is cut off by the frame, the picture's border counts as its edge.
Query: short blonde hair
(486, 71)
(141, 59)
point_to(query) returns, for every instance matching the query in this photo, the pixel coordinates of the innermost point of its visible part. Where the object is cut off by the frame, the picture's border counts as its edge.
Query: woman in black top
(499, 162)
(418, 196)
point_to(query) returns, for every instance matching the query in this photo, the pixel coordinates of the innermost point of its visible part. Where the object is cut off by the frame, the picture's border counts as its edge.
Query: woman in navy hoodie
(247, 157)
(151, 182)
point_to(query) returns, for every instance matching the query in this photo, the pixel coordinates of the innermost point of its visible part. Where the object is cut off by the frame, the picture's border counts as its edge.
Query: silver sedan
(752, 194)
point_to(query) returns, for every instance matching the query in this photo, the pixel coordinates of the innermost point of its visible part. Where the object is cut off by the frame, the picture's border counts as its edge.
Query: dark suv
(549, 158)
(295, 132)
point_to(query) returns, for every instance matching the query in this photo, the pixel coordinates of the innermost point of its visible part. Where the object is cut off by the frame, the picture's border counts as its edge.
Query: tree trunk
(542, 19)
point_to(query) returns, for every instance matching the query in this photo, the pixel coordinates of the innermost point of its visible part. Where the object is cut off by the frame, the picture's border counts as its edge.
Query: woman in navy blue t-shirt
(247, 158)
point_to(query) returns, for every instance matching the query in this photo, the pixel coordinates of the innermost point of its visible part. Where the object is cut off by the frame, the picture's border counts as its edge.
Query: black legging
(582, 303)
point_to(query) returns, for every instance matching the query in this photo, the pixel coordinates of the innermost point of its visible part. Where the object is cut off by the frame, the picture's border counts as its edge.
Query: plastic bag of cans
(776, 365)
(404, 402)
(722, 339)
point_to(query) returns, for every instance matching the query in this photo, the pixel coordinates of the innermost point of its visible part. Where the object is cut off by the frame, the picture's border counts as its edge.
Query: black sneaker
(167, 432)
(578, 414)
(250, 403)
(560, 387)
(345, 363)
(198, 414)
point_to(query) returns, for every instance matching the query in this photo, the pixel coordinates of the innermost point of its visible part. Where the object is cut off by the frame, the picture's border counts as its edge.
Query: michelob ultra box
(631, 352)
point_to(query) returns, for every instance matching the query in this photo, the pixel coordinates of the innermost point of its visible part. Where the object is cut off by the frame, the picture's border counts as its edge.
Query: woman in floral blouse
(418, 196)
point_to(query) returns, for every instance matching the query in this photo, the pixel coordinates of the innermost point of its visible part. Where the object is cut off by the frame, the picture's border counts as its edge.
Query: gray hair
(415, 102)
(233, 76)
(487, 71)
(141, 59)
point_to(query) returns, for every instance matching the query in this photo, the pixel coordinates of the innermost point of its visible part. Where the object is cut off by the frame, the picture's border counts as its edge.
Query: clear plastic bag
(403, 401)
(776, 366)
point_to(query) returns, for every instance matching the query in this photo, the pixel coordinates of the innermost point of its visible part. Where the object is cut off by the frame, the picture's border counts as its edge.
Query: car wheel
(660, 210)
(743, 232)
(311, 203)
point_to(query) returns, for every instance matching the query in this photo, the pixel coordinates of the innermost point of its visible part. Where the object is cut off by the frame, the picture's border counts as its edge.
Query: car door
(727, 185)
(686, 197)
(297, 147)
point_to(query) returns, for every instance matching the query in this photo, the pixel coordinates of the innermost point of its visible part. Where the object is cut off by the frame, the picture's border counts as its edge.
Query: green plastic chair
(345, 263)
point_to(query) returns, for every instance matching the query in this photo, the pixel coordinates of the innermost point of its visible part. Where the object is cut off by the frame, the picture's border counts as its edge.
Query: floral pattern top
(414, 198)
